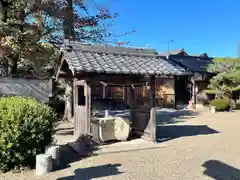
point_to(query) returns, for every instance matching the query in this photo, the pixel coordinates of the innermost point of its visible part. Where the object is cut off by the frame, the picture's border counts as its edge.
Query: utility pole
(168, 44)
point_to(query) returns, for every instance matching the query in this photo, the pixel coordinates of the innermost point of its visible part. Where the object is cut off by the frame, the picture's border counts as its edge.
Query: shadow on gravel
(94, 172)
(169, 132)
(173, 116)
(220, 171)
(168, 129)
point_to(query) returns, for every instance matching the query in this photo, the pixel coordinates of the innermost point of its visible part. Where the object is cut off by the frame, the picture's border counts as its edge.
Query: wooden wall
(165, 95)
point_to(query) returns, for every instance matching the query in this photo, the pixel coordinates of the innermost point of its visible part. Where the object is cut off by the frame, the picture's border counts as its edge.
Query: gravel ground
(205, 146)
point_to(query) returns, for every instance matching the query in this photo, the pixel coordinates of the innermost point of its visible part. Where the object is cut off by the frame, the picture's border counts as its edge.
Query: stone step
(127, 147)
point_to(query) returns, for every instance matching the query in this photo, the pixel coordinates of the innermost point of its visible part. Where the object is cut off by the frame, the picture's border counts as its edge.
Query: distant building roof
(117, 60)
(201, 55)
(174, 52)
(192, 63)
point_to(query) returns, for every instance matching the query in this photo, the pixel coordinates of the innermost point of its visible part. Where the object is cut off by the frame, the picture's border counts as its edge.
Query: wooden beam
(112, 78)
(79, 82)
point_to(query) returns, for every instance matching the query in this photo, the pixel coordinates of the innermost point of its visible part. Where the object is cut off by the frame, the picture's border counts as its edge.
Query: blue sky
(211, 26)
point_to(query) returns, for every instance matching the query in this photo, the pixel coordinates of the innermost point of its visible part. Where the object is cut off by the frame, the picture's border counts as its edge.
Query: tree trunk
(68, 103)
(68, 28)
(1, 12)
(15, 58)
(68, 25)
(14, 67)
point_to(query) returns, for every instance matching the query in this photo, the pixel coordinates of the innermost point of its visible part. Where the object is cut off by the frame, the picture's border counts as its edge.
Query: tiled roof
(192, 63)
(117, 60)
(34, 88)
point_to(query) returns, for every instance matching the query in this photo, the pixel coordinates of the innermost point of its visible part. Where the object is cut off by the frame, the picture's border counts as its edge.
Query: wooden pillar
(104, 91)
(72, 99)
(150, 130)
(175, 90)
(75, 98)
(194, 92)
(89, 105)
(123, 93)
(152, 91)
(132, 101)
(52, 90)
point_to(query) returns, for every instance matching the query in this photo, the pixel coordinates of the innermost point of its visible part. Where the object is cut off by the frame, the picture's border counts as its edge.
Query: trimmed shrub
(26, 128)
(220, 104)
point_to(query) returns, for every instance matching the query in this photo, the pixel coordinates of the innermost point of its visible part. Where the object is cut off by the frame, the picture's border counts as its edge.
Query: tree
(26, 25)
(20, 40)
(227, 78)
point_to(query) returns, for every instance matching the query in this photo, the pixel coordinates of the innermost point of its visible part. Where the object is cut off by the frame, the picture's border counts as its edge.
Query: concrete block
(43, 164)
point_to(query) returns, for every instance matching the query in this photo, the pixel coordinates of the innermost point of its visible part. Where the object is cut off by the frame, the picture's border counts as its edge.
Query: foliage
(20, 40)
(26, 127)
(210, 91)
(227, 78)
(220, 104)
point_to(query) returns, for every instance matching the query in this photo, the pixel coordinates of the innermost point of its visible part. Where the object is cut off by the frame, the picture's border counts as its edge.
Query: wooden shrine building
(95, 70)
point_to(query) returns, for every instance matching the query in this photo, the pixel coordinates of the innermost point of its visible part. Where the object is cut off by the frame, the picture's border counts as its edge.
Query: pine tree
(227, 78)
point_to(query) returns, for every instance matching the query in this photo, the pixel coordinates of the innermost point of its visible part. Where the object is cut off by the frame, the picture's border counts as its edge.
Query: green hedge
(26, 127)
(211, 91)
(220, 104)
